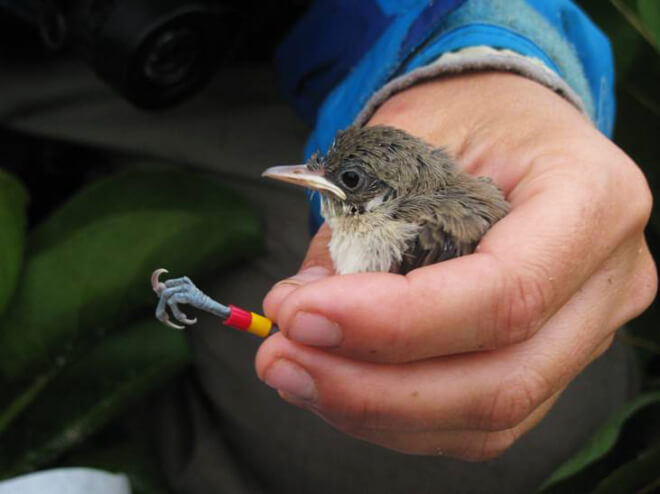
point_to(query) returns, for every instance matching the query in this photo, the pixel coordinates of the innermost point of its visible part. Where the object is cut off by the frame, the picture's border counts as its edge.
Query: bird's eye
(351, 179)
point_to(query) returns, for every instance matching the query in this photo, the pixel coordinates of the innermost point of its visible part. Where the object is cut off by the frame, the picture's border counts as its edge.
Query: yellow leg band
(260, 325)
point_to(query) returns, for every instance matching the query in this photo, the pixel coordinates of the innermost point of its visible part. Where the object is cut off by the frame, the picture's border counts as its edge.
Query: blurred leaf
(600, 444)
(638, 476)
(17, 401)
(87, 267)
(13, 202)
(89, 392)
(626, 40)
(629, 13)
(649, 12)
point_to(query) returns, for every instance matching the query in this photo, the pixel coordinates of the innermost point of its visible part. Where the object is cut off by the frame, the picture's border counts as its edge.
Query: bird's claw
(174, 292)
(156, 285)
(166, 320)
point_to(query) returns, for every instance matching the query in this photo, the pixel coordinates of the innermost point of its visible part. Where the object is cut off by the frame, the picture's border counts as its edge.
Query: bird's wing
(433, 244)
(449, 231)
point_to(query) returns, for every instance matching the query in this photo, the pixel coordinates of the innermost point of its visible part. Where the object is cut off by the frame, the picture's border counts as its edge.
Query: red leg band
(239, 318)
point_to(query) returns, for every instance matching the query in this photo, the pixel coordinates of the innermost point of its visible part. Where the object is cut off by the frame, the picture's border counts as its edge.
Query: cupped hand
(464, 356)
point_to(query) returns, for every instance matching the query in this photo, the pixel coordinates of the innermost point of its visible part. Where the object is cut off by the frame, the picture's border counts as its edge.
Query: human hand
(462, 357)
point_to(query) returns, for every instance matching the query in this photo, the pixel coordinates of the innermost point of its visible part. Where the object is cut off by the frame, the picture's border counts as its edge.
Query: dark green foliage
(639, 475)
(614, 446)
(649, 12)
(72, 356)
(87, 267)
(89, 392)
(13, 201)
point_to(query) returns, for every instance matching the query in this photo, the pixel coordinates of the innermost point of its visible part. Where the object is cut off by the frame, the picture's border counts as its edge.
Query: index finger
(526, 267)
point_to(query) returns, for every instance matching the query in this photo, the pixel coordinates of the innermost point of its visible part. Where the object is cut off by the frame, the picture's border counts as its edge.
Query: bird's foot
(174, 292)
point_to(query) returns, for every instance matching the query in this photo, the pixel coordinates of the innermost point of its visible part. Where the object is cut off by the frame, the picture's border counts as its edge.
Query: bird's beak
(301, 175)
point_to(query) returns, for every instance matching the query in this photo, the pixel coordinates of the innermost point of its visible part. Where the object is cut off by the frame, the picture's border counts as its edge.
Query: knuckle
(641, 205)
(493, 445)
(648, 288)
(644, 286)
(347, 428)
(604, 346)
(353, 416)
(519, 310)
(638, 196)
(399, 340)
(513, 401)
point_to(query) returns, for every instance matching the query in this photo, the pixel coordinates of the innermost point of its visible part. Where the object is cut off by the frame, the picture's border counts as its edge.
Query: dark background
(86, 402)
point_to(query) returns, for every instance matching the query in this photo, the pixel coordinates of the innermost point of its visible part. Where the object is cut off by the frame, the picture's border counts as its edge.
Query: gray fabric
(224, 431)
(520, 18)
(471, 63)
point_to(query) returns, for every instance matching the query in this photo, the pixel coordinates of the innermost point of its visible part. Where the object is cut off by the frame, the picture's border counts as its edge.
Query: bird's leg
(182, 291)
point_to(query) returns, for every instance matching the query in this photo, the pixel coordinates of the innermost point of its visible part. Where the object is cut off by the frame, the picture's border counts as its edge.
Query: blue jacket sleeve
(343, 51)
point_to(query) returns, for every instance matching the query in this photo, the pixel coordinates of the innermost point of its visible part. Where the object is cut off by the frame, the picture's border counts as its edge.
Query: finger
(316, 265)
(477, 392)
(498, 296)
(467, 445)
(463, 444)
(490, 391)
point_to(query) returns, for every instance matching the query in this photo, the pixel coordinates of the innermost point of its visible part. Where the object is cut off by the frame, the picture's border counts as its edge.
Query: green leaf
(627, 10)
(89, 392)
(21, 397)
(625, 38)
(601, 443)
(13, 203)
(641, 475)
(87, 267)
(649, 12)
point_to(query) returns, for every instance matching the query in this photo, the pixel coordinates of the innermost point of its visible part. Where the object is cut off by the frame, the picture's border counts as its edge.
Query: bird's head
(367, 167)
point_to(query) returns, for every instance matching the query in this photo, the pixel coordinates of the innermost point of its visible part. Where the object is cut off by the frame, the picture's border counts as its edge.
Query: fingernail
(292, 380)
(312, 329)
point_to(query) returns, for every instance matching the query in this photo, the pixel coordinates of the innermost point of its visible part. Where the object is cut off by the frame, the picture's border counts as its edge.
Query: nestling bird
(393, 202)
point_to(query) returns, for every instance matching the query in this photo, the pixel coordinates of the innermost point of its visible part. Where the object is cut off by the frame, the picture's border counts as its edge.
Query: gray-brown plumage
(394, 203)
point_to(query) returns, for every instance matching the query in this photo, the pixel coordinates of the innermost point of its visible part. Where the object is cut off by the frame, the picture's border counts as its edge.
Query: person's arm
(462, 357)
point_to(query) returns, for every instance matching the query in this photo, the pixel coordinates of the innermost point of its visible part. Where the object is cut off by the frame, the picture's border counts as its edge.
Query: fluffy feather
(413, 207)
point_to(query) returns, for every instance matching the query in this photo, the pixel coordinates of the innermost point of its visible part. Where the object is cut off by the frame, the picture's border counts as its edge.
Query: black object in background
(155, 53)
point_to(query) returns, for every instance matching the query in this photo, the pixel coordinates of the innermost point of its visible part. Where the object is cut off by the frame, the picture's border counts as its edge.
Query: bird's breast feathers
(369, 242)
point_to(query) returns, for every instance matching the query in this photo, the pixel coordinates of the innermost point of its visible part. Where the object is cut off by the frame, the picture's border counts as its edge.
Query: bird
(393, 202)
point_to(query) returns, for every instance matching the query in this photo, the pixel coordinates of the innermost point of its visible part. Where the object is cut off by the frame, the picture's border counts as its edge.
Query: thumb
(316, 266)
